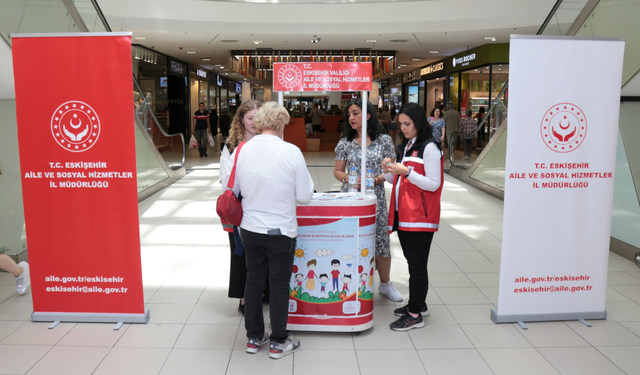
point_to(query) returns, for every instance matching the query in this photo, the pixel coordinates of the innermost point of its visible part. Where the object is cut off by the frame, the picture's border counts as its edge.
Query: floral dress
(379, 149)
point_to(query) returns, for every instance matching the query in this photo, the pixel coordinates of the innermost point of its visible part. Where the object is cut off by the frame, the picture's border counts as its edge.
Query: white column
(363, 157)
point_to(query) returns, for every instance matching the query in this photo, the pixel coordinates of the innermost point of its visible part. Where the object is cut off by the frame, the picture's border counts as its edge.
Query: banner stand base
(521, 318)
(90, 317)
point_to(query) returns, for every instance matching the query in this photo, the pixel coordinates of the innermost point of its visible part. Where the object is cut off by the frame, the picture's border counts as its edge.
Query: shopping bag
(212, 142)
(192, 142)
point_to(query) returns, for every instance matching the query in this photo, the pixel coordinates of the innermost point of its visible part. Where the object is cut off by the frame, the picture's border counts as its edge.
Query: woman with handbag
(242, 130)
(414, 210)
(273, 178)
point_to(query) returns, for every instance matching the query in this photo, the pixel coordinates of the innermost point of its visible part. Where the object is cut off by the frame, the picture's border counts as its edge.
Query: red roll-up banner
(78, 162)
(322, 76)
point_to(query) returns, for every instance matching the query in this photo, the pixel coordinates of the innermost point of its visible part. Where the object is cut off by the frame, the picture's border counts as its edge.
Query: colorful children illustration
(335, 274)
(323, 282)
(371, 274)
(363, 279)
(346, 279)
(311, 283)
(299, 279)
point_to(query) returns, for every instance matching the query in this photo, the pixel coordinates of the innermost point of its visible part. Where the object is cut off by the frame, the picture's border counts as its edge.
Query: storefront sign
(411, 76)
(433, 68)
(201, 73)
(219, 80)
(163, 81)
(561, 154)
(336, 76)
(176, 67)
(79, 180)
(464, 60)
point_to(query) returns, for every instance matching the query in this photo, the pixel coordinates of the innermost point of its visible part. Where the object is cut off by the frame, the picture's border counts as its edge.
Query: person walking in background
(379, 146)
(213, 120)
(468, 126)
(393, 124)
(316, 119)
(224, 124)
(200, 128)
(481, 131)
(273, 178)
(242, 130)
(20, 271)
(452, 122)
(437, 126)
(415, 207)
(385, 118)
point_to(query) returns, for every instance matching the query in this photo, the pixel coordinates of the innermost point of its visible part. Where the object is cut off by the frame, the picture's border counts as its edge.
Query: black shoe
(406, 323)
(241, 308)
(405, 309)
(205, 154)
(200, 155)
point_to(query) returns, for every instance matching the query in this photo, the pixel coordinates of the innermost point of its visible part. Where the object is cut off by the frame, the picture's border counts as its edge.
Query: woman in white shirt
(273, 178)
(242, 130)
(414, 210)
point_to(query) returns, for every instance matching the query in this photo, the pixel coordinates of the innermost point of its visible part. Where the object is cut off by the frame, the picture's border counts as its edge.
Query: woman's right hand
(385, 162)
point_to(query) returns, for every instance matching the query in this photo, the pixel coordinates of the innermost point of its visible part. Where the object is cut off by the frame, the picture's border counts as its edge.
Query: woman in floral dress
(348, 152)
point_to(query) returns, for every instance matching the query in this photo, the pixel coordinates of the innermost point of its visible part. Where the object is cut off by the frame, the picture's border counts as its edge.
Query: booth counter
(331, 286)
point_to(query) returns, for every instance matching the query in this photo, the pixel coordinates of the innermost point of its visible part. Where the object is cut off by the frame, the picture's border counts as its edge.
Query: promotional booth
(331, 287)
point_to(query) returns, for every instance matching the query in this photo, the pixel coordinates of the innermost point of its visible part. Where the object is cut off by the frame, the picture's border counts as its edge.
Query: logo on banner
(75, 126)
(290, 76)
(563, 127)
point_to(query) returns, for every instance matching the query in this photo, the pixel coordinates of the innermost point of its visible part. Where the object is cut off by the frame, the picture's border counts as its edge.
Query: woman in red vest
(414, 211)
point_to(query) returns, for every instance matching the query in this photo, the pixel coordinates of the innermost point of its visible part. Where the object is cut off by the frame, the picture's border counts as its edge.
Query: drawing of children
(311, 284)
(363, 278)
(346, 279)
(323, 282)
(299, 278)
(335, 274)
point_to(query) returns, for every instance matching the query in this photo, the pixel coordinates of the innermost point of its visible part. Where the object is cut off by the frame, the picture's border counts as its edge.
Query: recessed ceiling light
(433, 51)
(491, 38)
(257, 41)
(191, 52)
(403, 64)
(206, 59)
(140, 38)
(391, 73)
(399, 40)
(229, 41)
(371, 41)
(416, 59)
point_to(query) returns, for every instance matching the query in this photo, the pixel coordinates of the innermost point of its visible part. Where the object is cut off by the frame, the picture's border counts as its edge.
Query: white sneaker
(23, 282)
(390, 291)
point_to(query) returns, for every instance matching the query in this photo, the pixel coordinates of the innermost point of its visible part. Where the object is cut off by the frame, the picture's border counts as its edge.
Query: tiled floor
(195, 328)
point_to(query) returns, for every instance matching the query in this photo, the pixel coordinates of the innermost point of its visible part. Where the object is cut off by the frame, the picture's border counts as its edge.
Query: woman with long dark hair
(415, 206)
(348, 153)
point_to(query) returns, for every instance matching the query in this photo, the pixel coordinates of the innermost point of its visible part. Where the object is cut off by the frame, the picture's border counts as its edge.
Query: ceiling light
(433, 51)
(140, 38)
(403, 65)
(315, 39)
(399, 40)
(257, 41)
(416, 59)
(391, 73)
(371, 41)
(491, 38)
(191, 52)
(206, 59)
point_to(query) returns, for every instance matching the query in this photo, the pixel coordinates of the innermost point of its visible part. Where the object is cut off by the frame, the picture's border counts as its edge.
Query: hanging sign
(325, 76)
(79, 180)
(561, 153)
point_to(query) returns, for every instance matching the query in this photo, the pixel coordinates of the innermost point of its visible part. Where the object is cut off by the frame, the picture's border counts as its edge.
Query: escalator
(160, 156)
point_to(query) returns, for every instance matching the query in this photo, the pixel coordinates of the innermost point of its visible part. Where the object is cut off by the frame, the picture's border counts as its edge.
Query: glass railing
(35, 16)
(171, 147)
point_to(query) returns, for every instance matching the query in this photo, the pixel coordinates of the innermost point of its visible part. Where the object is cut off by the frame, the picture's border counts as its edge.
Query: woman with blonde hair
(273, 178)
(242, 129)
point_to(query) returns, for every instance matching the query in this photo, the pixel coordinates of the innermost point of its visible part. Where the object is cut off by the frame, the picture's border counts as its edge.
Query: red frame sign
(322, 76)
(79, 180)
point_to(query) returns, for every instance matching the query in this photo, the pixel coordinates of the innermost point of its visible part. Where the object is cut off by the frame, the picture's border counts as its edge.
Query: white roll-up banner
(564, 102)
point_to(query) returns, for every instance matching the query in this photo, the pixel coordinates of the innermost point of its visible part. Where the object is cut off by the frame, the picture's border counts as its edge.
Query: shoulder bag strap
(232, 178)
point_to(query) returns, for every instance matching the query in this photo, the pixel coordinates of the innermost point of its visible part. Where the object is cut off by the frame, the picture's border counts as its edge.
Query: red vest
(418, 210)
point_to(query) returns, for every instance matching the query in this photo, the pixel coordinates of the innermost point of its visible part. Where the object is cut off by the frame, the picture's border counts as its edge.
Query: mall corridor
(196, 329)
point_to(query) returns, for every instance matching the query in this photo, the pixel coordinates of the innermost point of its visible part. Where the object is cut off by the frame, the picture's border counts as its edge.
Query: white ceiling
(447, 26)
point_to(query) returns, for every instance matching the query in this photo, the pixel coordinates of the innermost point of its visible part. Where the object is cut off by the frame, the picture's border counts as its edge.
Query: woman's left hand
(398, 168)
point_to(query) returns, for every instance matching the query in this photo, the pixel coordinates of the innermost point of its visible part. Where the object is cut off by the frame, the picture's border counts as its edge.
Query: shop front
(433, 77)
(413, 91)
(477, 76)
(393, 92)
(178, 98)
